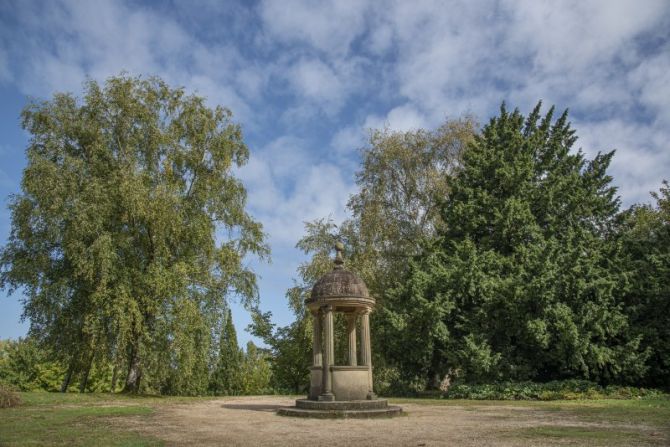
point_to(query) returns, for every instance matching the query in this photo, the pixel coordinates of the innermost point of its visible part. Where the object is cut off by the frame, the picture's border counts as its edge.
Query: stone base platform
(359, 409)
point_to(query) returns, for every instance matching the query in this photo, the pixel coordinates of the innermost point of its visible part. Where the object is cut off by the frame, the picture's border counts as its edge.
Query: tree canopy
(496, 254)
(501, 254)
(524, 280)
(129, 233)
(402, 179)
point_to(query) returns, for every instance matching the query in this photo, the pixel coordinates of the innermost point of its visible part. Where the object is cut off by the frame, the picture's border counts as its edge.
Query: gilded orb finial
(339, 260)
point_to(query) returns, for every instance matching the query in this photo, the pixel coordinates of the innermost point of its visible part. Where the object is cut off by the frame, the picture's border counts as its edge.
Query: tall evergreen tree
(646, 239)
(523, 281)
(256, 371)
(227, 376)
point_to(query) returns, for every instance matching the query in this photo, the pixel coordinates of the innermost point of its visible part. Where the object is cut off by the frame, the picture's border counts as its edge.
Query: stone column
(351, 328)
(329, 359)
(366, 352)
(316, 339)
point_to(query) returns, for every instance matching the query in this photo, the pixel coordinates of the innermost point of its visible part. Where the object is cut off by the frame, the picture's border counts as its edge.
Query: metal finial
(339, 260)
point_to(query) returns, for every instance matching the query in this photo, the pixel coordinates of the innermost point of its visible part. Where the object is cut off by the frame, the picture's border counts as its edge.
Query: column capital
(365, 311)
(327, 308)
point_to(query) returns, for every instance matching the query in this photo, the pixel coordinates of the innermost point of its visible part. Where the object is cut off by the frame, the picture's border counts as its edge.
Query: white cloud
(329, 26)
(638, 166)
(316, 80)
(380, 39)
(401, 119)
(348, 139)
(288, 186)
(650, 82)
(405, 118)
(57, 45)
(307, 79)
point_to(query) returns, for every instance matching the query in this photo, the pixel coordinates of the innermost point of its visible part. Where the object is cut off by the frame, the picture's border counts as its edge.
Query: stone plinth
(354, 409)
(350, 382)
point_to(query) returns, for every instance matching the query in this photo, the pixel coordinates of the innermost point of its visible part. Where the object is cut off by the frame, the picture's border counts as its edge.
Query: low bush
(556, 390)
(8, 397)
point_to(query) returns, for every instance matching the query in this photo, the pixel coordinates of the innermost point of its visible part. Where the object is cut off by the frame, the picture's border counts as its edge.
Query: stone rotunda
(340, 390)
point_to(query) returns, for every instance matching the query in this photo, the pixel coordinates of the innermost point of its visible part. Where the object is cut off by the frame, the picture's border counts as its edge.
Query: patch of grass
(554, 390)
(648, 412)
(582, 435)
(465, 402)
(71, 420)
(611, 421)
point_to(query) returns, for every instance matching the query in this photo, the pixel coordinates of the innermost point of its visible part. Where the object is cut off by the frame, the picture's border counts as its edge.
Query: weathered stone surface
(339, 283)
(340, 286)
(350, 382)
(376, 404)
(387, 412)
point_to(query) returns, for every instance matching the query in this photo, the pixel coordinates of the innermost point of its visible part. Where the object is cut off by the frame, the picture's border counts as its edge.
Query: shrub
(8, 397)
(555, 390)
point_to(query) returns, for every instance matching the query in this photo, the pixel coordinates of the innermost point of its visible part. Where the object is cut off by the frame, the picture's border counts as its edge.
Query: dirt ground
(250, 421)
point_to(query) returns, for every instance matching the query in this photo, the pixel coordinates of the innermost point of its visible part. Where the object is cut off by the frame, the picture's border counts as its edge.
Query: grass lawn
(74, 419)
(596, 422)
(119, 420)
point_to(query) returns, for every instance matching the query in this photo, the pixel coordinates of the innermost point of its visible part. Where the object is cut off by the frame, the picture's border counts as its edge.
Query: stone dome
(340, 287)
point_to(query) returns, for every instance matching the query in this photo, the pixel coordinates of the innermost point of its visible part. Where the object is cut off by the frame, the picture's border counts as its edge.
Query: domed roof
(340, 286)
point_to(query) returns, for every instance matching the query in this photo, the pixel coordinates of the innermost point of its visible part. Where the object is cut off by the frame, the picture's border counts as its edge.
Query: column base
(326, 397)
(371, 396)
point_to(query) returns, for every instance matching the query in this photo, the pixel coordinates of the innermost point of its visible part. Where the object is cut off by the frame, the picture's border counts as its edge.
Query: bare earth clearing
(252, 421)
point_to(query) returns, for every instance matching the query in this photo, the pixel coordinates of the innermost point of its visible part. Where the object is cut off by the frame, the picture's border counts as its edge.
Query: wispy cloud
(306, 79)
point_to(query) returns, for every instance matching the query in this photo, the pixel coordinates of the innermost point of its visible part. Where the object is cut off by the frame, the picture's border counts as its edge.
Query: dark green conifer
(524, 280)
(226, 378)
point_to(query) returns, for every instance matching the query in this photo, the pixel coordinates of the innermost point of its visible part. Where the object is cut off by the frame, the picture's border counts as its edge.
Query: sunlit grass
(78, 425)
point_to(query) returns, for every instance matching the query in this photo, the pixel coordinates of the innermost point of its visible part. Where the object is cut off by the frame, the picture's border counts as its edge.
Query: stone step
(375, 404)
(341, 414)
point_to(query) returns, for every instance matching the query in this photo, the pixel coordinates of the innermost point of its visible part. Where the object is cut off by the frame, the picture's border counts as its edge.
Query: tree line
(498, 253)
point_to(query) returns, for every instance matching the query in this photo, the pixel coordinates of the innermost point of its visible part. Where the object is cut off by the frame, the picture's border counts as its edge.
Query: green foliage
(256, 374)
(130, 232)
(555, 390)
(25, 366)
(645, 236)
(290, 351)
(227, 375)
(394, 209)
(402, 180)
(524, 280)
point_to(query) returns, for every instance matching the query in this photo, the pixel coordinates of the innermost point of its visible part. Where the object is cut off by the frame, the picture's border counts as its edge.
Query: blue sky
(306, 79)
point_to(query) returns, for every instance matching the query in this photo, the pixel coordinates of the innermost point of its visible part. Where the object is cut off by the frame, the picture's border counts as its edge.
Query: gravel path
(251, 421)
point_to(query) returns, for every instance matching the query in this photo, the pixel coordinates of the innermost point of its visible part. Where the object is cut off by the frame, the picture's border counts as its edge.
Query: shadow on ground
(253, 407)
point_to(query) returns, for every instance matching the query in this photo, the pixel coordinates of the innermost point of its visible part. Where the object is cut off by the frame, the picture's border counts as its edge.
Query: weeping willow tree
(130, 232)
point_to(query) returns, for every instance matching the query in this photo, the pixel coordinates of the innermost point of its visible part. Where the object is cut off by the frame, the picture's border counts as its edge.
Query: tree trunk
(84, 379)
(67, 378)
(112, 388)
(134, 372)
